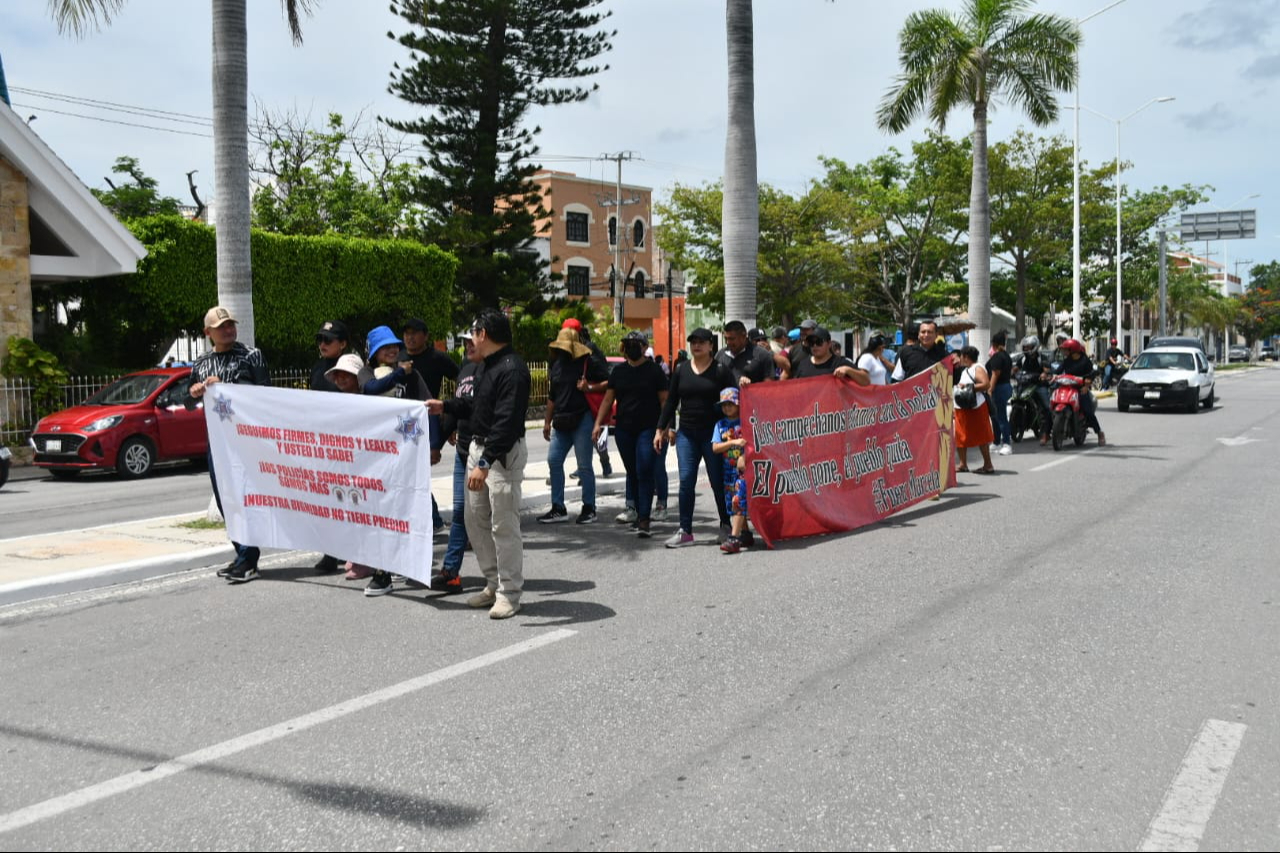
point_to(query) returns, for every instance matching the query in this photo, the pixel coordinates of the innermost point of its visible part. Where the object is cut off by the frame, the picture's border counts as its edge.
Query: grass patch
(202, 524)
(1237, 366)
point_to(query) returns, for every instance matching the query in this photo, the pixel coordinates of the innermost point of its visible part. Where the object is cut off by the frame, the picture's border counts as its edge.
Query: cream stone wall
(15, 255)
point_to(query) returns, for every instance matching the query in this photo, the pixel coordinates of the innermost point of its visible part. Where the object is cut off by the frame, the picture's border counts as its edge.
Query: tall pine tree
(478, 67)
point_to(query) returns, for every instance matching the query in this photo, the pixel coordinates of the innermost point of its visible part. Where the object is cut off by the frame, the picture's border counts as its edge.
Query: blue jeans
(244, 553)
(1000, 397)
(694, 446)
(640, 460)
(457, 546)
(579, 438)
(661, 485)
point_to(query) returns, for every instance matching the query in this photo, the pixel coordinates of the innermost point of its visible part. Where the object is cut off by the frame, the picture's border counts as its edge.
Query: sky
(821, 69)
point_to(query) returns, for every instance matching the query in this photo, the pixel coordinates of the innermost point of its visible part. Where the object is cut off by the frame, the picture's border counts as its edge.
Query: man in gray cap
(800, 350)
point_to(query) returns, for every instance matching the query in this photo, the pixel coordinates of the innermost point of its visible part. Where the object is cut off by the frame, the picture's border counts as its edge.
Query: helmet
(1072, 345)
(1030, 342)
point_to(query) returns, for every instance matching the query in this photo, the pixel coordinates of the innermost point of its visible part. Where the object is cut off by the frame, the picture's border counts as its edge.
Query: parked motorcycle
(1024, 409)
(5, 461)
(1068, 416)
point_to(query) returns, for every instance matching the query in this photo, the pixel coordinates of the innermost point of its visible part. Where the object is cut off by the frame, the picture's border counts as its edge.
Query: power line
(114, 121)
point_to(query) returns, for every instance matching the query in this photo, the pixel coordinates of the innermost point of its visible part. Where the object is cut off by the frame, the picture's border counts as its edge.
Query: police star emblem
(222, 408)
(409, 427)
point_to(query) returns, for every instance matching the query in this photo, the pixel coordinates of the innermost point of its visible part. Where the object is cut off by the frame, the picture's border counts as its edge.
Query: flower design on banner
(222, 408)
(409, 427)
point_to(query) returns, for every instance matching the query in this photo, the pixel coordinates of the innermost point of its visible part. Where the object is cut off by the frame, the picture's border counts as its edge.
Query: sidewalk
(51, 558)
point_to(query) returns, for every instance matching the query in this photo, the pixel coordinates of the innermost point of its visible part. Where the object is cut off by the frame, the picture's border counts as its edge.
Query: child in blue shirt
(729, 441)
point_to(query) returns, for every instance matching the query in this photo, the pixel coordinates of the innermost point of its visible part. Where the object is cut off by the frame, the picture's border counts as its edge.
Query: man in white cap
(230, 361)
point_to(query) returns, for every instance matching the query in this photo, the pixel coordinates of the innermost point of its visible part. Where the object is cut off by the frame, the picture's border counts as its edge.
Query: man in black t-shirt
(922, 355)
(748, 362)
(1115, 357)
(428, 362)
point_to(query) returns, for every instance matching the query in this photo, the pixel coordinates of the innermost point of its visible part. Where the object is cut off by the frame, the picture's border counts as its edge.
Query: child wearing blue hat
(729, 441)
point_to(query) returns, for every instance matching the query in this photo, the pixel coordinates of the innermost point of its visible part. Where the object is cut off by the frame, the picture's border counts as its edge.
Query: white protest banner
(343, 474)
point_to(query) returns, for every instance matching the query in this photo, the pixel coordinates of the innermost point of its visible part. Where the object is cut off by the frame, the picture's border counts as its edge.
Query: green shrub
(298, 283)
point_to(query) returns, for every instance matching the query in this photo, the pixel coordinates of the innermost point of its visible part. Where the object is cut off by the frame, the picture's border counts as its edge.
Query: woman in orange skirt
(973, 426)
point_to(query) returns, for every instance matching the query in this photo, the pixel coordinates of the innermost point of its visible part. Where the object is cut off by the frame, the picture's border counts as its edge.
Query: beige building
(51, 227)
(586, 240)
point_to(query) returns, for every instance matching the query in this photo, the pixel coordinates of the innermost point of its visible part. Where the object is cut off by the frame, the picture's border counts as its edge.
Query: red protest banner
(825, 455)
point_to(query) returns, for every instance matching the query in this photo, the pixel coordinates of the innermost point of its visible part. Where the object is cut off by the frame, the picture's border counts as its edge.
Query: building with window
(581, 240)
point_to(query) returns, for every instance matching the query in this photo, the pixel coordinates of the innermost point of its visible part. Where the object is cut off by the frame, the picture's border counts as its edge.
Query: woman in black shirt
(695, 390)
(1000, 368)
(640, 389)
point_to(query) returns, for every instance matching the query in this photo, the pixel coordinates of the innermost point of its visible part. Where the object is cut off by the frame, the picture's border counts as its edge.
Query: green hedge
(298, 283)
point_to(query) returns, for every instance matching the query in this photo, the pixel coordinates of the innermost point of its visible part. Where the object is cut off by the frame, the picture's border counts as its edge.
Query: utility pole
(617, 202)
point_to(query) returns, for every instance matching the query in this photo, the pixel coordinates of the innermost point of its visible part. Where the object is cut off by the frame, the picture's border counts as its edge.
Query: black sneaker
(588, 514)
(446, 582)
(242, 573)
(379, 584)
(556, 515)
(326, 565)
(642, 528)
(607, 471)
(226, 570)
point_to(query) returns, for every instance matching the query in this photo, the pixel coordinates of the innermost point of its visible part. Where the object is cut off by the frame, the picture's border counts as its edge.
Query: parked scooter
(1068, 416)
(1025, 412)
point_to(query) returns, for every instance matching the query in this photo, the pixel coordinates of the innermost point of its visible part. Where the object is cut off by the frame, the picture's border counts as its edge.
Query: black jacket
(498, 409)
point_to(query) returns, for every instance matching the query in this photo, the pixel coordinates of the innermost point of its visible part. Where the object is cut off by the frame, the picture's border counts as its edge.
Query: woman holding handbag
(973, 422)
(573, 375)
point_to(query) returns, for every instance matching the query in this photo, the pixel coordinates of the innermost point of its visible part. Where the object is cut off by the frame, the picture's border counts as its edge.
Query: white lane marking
(184, 515)
(1065, 459)
(1237, 441)
(1189, 802)
(115, 568)
(119, 785)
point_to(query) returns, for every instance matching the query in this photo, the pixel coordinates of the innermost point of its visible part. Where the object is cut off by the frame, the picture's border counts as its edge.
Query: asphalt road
(1077, 653)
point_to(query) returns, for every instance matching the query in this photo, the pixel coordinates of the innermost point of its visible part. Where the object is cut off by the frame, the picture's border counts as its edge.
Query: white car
(1168, 376)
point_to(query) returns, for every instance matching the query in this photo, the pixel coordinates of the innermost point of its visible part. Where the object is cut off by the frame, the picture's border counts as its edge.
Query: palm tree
(740, 213)
(230, 132)
(990, 51)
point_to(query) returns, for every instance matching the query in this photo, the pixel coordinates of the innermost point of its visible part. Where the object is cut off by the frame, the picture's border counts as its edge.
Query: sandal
(985, 471)
(964, 470)
(1102, 439)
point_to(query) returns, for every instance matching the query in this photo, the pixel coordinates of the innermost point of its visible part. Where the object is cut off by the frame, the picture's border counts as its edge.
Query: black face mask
(633, 349)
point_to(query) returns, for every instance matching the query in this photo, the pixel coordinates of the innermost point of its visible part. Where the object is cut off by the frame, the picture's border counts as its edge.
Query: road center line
(129, 781)
(1189, 802)
(1065, 459)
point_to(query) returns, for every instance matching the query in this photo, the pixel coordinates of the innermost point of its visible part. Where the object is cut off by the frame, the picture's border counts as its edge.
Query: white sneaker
(1005, 450)
(627, 516)
(679, 539)
(659, 513)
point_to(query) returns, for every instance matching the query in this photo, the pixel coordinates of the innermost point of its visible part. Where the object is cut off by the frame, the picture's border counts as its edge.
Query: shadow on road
(419, 812)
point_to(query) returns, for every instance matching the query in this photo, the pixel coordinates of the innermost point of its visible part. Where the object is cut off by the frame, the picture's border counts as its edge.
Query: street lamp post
(1119, 234)
(1075, 188)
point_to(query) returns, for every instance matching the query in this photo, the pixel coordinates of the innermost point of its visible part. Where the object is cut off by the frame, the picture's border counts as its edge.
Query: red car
(130, 425)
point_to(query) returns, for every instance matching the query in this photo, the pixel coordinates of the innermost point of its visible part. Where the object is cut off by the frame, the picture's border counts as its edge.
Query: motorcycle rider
(1115, 360)
(1078, 364)
(1032, 363)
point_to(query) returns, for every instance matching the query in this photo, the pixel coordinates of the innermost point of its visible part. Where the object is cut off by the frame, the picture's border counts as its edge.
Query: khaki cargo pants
(492, 516)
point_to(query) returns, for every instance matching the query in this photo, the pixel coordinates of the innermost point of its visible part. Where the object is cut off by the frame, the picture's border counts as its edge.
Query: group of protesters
(648, 406)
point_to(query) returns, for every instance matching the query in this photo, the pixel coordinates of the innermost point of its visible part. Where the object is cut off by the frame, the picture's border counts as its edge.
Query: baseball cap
(572, 323)
(414, 324)
(333, 330)
(809, 324)
(216, 316)
(820, 335)
(756, 335)
(701, 335)
(349, 363)
(778, 332)
(729, 395)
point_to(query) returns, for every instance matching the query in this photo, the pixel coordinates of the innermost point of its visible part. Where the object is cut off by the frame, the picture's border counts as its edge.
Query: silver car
(1168, 376)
